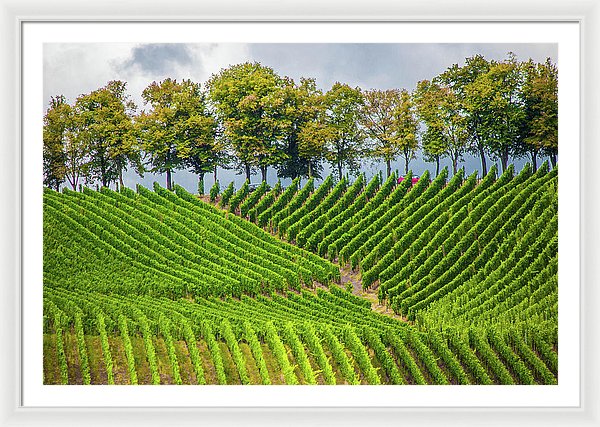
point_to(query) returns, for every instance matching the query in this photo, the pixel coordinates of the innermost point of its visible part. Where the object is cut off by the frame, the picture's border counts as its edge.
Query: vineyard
(454, 281)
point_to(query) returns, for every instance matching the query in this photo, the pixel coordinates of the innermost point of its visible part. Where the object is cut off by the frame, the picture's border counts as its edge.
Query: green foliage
(234, 349)
(276, 345)
(253, 199)
(215, 351)
(227, 194)
(339, 356)
(285, 197)
(239, 197)
(289, 335)
(108, 363)
(250, 116)
(214, 191)
(57, 127)
(265, 203)
(248, 101)
(66, 150)
(314, 345)
(149, 345)
(472, 266)
(178, 131)
(164, 326)
(345, 142)
(379, 118)
(252, 339)
(190, 339)
(540, 102)
(103, 119)
(446, 127)
(82, 350)
(128, 349)
(59, 321)
(387, 362)
(360, 355)
(301, 106)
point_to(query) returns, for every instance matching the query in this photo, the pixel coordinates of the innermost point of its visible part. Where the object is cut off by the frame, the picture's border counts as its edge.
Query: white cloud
(72, 69)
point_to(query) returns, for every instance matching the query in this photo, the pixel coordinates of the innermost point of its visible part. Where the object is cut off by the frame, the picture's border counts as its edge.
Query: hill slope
(160, 287)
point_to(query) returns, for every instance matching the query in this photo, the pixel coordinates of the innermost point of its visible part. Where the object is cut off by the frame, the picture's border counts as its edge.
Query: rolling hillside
(457, 283)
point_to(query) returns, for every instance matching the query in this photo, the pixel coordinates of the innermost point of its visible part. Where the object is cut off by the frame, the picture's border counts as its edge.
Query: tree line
(249, 118)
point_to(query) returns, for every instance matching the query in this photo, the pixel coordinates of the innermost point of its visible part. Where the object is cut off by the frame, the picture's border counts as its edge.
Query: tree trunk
(553, 160)
(437, 165)
(310, 171)
(247, 168)
(103, 171)
(121, 178)
(388, 163)
(215, 173)
(406, 160)
(169, 186)
(504, 160)
(263, 171)
(339, 166)
(483, 164)
(73, 178)
(534, 159)
(454, 164)
(201, 184)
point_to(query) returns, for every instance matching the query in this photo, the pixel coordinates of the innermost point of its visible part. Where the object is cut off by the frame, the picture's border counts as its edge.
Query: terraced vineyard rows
(307, 338)
(446, 254)
(155, 287)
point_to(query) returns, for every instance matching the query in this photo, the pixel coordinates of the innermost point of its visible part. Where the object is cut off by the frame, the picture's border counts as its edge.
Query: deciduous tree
(302, 107)
(505, 108)
(540, 96)
(346, 147)
(177, 131)
(104, 119)
(440, 110)
(473, 93)
(249, 106)
(378, 117)
(312, 143)
(57, 128)
(406, 126)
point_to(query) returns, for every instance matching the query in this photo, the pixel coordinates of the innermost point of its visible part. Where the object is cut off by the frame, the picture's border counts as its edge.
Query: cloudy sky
(72, 69)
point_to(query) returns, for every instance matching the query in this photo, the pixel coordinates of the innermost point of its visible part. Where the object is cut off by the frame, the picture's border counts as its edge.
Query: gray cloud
(72, 69)
(383, 65)
(158, 58)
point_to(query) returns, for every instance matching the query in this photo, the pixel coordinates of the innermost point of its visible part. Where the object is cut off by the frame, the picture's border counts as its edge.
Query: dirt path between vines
(354, 277)
(347, 275)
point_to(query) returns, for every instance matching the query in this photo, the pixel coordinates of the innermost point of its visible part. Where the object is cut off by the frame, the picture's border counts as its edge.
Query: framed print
(340, 217)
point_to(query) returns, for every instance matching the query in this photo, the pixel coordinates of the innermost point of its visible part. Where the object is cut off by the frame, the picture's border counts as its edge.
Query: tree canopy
(103, 118)
(247, 98)
(345, 147)
(177, 131)
(250, 118)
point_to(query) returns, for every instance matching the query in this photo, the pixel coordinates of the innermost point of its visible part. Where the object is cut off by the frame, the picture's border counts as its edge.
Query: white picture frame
(14, 15)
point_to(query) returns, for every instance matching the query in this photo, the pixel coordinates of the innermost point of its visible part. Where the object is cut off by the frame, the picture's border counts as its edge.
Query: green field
(452, 281)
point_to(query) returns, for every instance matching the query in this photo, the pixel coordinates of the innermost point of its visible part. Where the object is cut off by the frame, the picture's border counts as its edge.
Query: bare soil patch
(354, 278)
